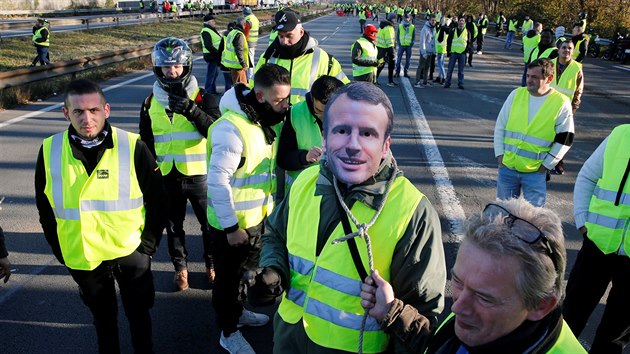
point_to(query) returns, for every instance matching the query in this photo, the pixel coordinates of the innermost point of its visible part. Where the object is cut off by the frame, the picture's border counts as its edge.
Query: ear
(386, 145)
(66, 114)
(549, 80)
(107, 109)
(260, 96)
(545, 306)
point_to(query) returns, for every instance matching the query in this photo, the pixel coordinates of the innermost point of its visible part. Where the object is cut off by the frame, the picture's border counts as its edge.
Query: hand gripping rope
(362, 231)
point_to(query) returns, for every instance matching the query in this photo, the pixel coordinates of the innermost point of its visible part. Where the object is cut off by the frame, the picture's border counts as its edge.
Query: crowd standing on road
(321, 248)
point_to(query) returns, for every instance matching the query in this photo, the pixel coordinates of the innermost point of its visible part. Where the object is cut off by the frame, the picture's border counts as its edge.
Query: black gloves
(263, 286)
(181, 105)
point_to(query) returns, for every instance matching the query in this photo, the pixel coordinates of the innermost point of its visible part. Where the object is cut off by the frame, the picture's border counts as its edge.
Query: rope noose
(362, 231)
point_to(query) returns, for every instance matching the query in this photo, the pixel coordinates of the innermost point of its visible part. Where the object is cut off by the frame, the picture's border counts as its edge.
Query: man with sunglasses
(507, 285)
(534, 131)
(601, 214)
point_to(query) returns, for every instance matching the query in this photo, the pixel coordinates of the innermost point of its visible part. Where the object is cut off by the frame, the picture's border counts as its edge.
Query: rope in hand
(362, 231)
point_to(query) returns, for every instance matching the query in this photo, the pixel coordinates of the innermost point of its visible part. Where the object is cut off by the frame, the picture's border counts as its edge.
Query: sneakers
(181, 279)
(236, 344)
(427, 84)
(437, 80)
(447, 85)
(392, 84)
(418, 85)
(479, 53)
(461, 87)
(253, 319)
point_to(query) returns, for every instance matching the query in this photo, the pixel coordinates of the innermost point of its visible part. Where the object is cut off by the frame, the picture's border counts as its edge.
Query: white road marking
(451, 206)
(621, 67)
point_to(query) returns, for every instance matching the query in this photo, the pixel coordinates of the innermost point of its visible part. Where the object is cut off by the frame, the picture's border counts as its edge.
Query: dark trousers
(387, 54)
(470, 54)
(480, 42)
(461, 61)
(211, 77)
(590, 276)
(361, 26)
(181, 189)
(98, 292)
(231, 262)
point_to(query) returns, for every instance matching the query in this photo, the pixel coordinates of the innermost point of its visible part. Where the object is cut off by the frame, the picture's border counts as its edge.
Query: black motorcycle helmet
(172, 51)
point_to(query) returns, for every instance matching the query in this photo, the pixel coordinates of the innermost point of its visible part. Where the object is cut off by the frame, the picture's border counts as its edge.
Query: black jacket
(149, 179)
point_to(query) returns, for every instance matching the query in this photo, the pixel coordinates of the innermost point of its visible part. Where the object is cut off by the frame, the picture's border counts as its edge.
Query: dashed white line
(621, 67)
(451, 206)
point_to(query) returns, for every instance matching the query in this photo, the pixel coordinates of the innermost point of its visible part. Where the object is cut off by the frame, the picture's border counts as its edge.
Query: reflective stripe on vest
(368, 51)
(305, 69)
(459, 42)
(529, 44)
(609, 209)
(253, 183)
(386, 37)
(252, 36)
(307, 132)
(324, 289)
(272, 35)
(99, 216)
(228, 56)
(216, 39)
(536, 54)
(177, 141)
(405, 36)
(526, 143)
(38, 35)
(567, 82)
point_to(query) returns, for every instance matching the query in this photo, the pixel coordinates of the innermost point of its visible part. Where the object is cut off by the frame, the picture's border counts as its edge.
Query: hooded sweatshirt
(427, 40)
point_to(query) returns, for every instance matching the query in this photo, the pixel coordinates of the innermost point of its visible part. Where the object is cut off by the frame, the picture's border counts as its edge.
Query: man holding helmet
(174, 122)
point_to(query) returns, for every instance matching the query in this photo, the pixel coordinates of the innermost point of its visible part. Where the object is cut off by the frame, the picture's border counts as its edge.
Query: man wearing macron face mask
(295, 50)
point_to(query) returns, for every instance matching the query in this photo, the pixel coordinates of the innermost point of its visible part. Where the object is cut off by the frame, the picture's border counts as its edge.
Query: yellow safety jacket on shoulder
(216, 39)
(576, 51)
(512, 26)
(177, 141)
(526, 144)
(459, 42)
(566, 343)
(228, 56)
(529, 44)
(537, 55)
(324, 291)
(566, 83)
(405, 36)
(305, 69)
(307, 132)
(527, 25)
(368, 51)
(252, 36)
(253, 183)
(609, 210)
(99, 216)
(272, 35)
(386, 37)
(483, 22)
(440, 47)
(38, 35)
(362, 15)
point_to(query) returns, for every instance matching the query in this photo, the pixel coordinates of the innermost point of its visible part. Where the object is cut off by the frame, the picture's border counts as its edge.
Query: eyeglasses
(521, 228)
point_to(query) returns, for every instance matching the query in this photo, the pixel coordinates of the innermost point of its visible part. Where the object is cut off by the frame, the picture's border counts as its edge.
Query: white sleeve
(227, 148)
(585, 183)
(502, 119)
(564, 124)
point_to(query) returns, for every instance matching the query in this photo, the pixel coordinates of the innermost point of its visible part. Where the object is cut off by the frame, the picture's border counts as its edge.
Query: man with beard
(356, 183)
(241, 154)
(295, 50)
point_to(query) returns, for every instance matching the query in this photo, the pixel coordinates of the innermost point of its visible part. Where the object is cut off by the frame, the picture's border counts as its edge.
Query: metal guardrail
(24, 76)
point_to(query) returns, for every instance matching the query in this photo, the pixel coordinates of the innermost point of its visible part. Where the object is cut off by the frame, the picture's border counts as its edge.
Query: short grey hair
(362, 91)
(538, 279)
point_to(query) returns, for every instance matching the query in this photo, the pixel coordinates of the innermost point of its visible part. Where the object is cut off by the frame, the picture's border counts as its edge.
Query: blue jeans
(461, 59)
(42, 56)
(211, 77)
(401, 50)
(440, 65)
(508, 40)
(533, 184)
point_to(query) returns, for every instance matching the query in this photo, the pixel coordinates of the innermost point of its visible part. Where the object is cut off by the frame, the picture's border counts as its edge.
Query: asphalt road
(442, 141)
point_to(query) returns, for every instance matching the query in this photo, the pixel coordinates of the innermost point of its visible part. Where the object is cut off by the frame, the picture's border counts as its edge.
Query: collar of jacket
(369, 192)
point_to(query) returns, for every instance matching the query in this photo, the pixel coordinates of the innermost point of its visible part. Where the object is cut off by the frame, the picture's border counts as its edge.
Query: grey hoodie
(427, 40)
